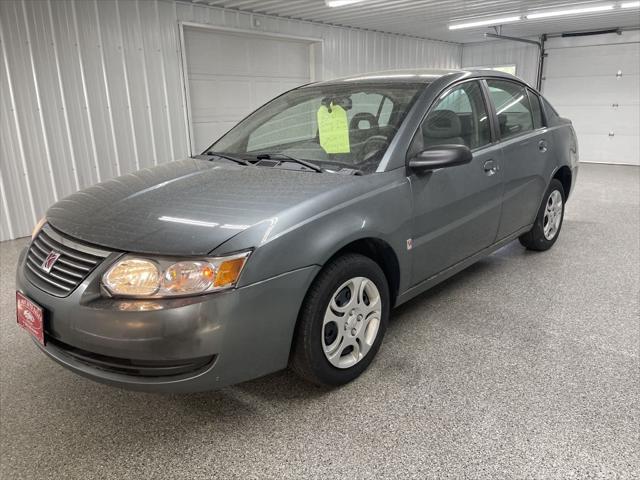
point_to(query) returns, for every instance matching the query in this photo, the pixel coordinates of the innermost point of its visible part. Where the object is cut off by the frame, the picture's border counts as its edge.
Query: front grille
(73, 265)
(136, 368)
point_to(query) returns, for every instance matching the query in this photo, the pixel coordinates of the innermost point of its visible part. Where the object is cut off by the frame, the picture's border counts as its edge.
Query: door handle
(490, 167)
(542, 146)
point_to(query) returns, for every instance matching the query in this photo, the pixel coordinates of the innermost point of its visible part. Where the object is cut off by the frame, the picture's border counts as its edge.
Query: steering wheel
(373, 145)
(359, 117)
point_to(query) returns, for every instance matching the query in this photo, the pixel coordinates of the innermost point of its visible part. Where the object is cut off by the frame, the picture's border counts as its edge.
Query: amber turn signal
(229, 271)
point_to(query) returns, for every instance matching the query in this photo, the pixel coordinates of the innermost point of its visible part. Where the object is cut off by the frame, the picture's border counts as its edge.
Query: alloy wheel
(351, 322)
(552, 215)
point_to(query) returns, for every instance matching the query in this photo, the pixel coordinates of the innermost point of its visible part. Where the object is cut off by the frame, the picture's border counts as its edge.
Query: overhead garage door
(231, 74)
(598, 88)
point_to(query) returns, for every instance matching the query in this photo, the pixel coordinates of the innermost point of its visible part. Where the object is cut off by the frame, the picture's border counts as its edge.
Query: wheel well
(564, 176)
(380, 252)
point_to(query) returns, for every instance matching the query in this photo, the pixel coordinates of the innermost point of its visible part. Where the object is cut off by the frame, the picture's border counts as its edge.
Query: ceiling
(430, 18)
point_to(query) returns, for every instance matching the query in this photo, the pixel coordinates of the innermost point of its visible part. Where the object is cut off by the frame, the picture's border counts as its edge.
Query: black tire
(535, 238)
(308, 359)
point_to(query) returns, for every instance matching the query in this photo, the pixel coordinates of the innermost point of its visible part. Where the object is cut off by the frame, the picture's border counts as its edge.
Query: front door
(456, 209)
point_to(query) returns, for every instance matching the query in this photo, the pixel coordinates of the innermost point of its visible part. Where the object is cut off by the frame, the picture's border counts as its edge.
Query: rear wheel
(546, 228)
(342, 321)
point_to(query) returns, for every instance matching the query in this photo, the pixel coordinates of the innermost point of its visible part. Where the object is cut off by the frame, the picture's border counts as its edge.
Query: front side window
(343, 125)
(459, 117)
(512, 107)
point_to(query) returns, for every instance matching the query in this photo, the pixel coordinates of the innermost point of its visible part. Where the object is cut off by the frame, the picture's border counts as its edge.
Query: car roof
(419, 75)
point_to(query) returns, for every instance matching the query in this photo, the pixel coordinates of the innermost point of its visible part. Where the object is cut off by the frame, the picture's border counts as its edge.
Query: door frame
(316, 59)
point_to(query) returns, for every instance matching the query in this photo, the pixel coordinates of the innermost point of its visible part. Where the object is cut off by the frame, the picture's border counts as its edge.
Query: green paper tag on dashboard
(333, 128)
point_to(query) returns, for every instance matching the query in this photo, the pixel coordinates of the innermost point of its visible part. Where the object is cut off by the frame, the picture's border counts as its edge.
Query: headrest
(442, 124)
(369, 118)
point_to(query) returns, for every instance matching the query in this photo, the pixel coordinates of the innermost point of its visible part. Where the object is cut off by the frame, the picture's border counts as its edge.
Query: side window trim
(488, 107)
(533, 95)
(491, 111)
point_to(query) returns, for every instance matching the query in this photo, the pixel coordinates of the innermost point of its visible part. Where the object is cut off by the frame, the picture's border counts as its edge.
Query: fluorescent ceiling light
(570, 11)
(483, 23)
(630, 5)
(341, 3)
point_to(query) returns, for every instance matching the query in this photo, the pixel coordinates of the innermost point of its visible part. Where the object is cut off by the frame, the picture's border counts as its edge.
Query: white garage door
(598, 88)
(231, 74)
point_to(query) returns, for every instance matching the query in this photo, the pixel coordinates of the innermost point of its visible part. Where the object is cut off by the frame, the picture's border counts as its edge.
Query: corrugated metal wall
(88, 90)
(91, 89)
(494, 53)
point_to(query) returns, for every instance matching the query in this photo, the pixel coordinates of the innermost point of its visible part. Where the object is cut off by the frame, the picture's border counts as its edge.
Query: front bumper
(174, 345)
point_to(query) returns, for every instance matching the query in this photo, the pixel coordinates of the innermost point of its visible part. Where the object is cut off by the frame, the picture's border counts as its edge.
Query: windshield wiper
(287, 158)
(241, 161)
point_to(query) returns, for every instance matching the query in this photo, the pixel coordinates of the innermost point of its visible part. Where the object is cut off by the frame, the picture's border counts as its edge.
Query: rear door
(456, 209)
(527, 152)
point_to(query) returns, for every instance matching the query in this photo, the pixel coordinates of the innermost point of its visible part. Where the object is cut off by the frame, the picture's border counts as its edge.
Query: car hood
(187, 207)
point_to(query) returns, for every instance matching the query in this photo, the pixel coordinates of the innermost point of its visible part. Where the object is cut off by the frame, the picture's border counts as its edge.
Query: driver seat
(442, 127)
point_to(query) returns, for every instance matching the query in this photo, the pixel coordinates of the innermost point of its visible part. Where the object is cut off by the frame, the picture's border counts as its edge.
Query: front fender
(290, 242)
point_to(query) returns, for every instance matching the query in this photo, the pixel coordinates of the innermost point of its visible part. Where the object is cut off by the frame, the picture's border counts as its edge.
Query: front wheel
(546, 228)
(342, 321)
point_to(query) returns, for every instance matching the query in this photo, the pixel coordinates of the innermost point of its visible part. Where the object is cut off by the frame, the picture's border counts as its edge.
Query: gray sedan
(290, 239)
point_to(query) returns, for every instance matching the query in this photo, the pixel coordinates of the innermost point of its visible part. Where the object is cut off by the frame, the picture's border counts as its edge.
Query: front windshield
(335, 126)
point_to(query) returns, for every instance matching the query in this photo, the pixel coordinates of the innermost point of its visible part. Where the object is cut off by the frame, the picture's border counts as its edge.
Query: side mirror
(440, 156)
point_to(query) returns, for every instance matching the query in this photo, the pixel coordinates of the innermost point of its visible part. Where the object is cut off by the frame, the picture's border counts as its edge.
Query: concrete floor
(523, 366)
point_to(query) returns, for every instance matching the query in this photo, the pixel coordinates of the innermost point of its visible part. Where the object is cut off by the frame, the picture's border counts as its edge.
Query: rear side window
(367, 105)
(512, 107)
(536, 110)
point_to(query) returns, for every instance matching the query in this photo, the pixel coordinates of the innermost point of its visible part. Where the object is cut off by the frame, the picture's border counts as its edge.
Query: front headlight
(134, 276)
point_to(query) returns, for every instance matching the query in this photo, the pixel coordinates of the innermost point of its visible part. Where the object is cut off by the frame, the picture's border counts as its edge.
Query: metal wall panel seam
(64, 98)
(106, 88)
(167, 34)
(45, 139)
(182, 62)
(126, 86)
(23, 158)
(84, 92)
(164, 80)
(5, 206)
(145, 79)
(185, 88)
